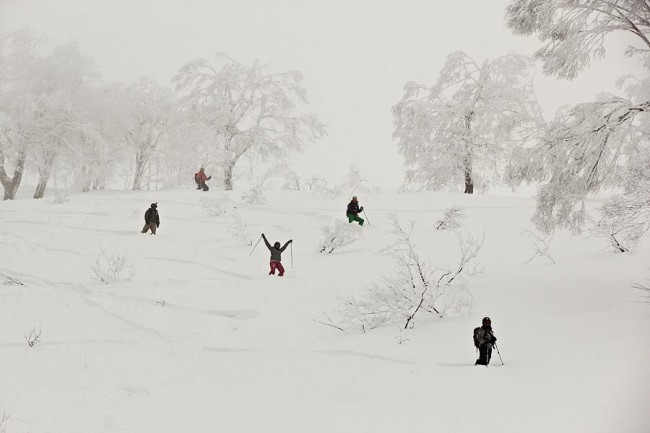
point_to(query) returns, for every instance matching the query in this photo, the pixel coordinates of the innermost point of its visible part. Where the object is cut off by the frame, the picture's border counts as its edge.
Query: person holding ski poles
(276, 256)
(200, 178)
(354, 210)
(484, 341)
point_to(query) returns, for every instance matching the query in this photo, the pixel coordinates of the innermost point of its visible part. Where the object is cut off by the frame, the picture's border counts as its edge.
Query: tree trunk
(10, 185)
(140, 161)
(227, 175)
(44, 175)
(469, 182)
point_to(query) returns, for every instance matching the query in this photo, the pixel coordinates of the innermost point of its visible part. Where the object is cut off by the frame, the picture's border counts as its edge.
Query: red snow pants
(276, 265)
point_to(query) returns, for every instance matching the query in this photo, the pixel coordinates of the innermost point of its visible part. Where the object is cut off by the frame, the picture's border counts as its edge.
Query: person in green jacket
(354, 210)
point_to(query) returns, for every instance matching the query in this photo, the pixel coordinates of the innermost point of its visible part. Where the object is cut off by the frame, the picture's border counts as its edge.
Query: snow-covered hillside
(201, 339)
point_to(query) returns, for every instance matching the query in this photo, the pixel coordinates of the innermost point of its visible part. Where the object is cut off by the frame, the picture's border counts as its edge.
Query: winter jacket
(483, 335)
(353, 208)
(151, 216)
(276, 253)
(200, 176)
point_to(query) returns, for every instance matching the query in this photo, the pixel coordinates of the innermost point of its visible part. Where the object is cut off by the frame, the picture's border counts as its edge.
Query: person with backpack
(151, 219)
(276, 256)
(200, 178)
(354, 210)
(484, 341)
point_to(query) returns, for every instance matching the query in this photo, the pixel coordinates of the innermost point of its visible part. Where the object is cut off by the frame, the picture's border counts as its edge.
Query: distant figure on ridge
(484, 341)
(200, 178)
(151, 219)
(353, 211)
(276, 256)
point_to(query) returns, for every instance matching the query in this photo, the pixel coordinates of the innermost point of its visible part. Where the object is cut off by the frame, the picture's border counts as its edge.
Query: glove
(263, 236)
(157, 224)
(290, 241)
(209, 177)
(361, 209)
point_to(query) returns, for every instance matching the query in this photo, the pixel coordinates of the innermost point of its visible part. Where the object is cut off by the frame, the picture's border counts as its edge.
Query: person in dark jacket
(354, 210)
(151, 219)
(200, 178)
(276, 256)
(484, 340)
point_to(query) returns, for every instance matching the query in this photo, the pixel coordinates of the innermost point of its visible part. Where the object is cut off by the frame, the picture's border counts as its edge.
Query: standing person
(200, 178)
(151, 219)
(484, 341)
(353, 211)
(276, 256)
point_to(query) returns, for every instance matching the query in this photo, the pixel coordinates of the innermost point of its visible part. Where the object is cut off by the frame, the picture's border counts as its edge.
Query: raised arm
(286, 245)
(268, 245)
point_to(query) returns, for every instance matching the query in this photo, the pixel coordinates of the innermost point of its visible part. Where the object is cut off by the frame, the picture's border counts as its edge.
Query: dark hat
(154, 205)
(487, 321)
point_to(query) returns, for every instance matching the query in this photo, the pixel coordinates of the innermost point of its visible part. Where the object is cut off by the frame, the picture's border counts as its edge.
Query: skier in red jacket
(200, 177)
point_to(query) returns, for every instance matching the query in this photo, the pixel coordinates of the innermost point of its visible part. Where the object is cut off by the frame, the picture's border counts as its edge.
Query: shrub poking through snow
(110, 269)
(451, 220)
(623, 223)
(541, 245)
(33, 337)
(415, 287)
(340, 235)
(255, 195)
(3, 422)
(216, 207)
(240, 230)
(10, 281)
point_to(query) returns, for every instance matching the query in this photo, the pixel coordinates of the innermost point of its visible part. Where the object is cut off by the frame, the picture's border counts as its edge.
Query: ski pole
(258, 241)
(497, 348)
(364, 214)
(291, 251)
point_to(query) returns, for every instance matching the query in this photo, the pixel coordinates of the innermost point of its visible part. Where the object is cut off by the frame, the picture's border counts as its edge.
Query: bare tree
(245, 109)
(416, 286)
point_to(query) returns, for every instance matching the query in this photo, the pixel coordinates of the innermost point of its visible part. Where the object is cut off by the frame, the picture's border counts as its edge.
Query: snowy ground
(201, 339)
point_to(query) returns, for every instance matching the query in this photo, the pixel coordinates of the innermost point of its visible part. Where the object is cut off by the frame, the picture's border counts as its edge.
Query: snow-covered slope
(201, 339)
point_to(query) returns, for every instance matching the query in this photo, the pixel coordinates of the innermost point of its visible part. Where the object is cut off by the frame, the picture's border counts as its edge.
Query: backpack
(477, 339)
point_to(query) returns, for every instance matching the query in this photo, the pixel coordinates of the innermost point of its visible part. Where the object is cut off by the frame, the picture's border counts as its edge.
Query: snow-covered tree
(584, 151)
(67, 77)
(461, 130)
(146, 109)
(588, 145)
(574, 31)
(19, 59)
(245, 109)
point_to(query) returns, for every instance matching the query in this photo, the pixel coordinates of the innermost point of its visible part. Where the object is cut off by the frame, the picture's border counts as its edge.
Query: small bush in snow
(645, 287)
(110, 269)
(60, 197)
(33, 337)
(10, 281)
(255, 195)
(241, 230)
(623, 223)
(451, 220)
(541, 245)
(291, 182)
(3, 422)
(216, 207)
(339, 235)
(415, 287)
